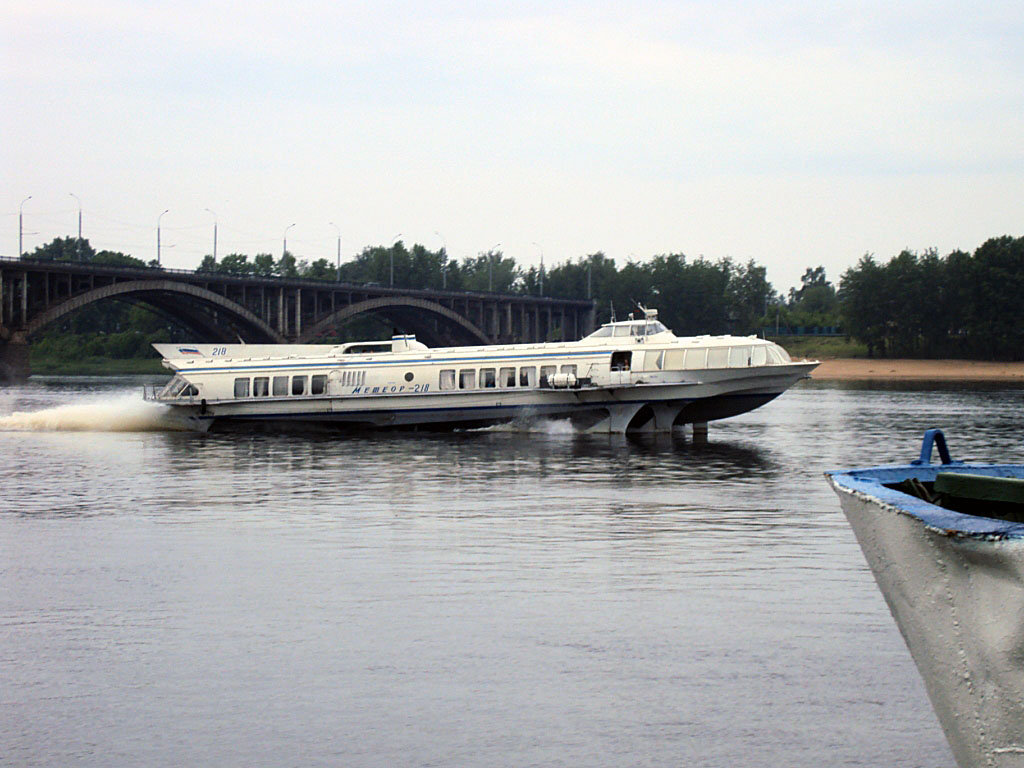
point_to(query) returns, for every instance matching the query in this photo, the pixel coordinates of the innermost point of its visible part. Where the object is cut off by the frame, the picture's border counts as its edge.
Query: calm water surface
(481, 598)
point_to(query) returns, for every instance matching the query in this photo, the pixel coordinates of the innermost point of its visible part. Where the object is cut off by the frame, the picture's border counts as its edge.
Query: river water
(485, 598)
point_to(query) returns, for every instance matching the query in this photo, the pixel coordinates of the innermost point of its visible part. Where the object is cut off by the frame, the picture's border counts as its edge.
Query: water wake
(125, 413)
(553, 427)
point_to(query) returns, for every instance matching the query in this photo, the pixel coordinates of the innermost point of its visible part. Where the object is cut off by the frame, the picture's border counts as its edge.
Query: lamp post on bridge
(444, 266)
(214, 232)
(21, 251)
(395, 242)
(490, 267)
(284, 245)
(158, 236)
(541, 274)
(339, 249)
(78, 248)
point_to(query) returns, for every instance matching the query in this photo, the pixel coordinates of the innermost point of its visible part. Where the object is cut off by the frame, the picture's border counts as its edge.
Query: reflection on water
(475, 598)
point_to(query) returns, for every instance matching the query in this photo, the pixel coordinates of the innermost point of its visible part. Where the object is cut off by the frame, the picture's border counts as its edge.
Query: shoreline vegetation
(913, 317)
(841, 360)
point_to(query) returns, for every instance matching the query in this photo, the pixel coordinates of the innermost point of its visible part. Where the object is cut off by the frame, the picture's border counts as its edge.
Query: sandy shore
(944, 370)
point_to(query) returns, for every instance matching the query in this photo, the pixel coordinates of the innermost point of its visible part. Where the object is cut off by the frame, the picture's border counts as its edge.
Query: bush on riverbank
(821, 347)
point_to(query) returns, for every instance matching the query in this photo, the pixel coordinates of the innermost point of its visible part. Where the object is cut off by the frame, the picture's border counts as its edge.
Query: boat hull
(954, 583)
(616, 409)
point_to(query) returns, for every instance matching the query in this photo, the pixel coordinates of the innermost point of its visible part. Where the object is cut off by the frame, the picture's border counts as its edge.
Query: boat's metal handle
(934, 437)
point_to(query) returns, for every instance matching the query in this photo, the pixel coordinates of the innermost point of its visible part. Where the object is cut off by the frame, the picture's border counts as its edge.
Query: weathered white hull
(955, 586)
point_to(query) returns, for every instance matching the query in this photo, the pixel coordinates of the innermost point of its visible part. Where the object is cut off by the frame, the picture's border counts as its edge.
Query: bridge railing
(306, 282)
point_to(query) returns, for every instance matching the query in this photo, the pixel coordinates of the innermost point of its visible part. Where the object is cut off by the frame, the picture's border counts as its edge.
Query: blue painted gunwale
(871, 482)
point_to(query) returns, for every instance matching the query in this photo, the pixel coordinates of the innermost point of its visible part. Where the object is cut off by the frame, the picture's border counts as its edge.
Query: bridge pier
(14, 361)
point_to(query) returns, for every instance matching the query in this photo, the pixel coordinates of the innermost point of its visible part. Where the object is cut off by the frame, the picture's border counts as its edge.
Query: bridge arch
(398, 303)
(151, 292)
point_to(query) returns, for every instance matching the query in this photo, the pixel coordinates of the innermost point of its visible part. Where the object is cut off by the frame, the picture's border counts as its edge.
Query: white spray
(124, 413)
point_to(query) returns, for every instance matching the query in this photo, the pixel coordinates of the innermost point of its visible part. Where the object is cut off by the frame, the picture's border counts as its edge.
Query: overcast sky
(791, 133)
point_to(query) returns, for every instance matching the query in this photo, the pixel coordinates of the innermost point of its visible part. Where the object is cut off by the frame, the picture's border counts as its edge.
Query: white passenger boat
(946, 546)
(630, 375)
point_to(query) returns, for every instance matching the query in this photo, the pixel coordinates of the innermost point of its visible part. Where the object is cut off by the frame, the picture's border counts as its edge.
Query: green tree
(861, 291)
(263, 265)
(321, 269)
(64, 249)
(286, 266)
(235, 264)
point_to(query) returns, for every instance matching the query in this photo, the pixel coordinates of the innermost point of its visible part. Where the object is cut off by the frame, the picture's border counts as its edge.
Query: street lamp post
(158, 236)
(284, 245)
(21, 251)
(541, 267)
(78, 248)
(444, 265)
(214, 233)
(339, 249)
(394, 243)
(490, 267)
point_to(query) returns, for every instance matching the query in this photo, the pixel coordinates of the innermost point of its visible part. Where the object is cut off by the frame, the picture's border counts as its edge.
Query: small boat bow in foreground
(946, 546)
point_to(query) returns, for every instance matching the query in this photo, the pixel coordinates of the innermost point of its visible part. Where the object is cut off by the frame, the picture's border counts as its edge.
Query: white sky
(793, 133)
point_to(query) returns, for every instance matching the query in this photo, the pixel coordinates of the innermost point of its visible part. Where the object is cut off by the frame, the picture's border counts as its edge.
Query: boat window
(622, 330)
(528, 377)
(568, 369)
(241, 387)
(189, 391)
(621, 361)
(779, 355)
(280, 386)
(467, 379)
(696, 359)
(368, 349)
(655, 327)
(298, 385)
(602, 332)
(759, 356)
(261, 386)
(546, 372)
(718, 357)
(318, 385)
(654, 360)
(174, 387)
(674, 359)
(507, 377)
(487, 378)
(446, 379)
(739, 357)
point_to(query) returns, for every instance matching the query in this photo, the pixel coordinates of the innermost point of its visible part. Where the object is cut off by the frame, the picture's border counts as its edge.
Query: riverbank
(850, 369)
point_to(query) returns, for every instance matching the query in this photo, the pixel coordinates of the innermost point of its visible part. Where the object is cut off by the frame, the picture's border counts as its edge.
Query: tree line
(917, 305)
(922, 305)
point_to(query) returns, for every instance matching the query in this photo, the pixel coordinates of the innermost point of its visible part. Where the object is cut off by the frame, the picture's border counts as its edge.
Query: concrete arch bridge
(227, 308)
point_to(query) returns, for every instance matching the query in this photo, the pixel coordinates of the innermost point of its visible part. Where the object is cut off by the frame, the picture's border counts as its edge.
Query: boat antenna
(611, 307)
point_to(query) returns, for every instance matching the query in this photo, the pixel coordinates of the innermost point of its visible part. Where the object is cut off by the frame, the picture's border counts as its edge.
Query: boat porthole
(408, 376)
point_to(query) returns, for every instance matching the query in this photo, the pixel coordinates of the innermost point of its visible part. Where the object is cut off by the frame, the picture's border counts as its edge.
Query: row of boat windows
(281, 386)
(491, 378)
(524, 376)
(636, 329)
(710, 357)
